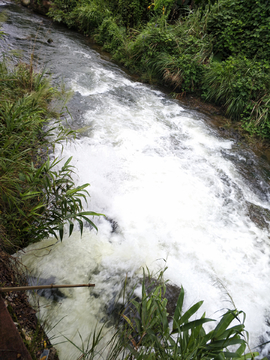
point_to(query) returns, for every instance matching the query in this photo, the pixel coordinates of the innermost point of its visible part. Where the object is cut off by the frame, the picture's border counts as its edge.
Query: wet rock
(114, 225)
(260, 216)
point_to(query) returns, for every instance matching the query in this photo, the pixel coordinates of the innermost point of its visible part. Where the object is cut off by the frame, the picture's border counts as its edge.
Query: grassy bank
(37, 196)
(219, 53)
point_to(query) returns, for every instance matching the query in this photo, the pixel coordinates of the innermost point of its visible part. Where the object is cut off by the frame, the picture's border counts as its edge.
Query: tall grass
(241, 86)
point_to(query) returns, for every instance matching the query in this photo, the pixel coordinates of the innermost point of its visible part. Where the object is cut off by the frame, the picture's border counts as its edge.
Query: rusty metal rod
(21, 288)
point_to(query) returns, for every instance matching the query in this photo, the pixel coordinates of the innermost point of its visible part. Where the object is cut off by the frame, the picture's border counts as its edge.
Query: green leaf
(227, 318)
(178, 310)
(190, 312)
(194, 324)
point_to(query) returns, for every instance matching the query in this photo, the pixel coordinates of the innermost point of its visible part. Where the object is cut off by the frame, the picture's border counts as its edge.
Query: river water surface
(174, 192)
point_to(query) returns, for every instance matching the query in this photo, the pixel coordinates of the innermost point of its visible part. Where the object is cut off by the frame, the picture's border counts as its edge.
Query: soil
(21, 312)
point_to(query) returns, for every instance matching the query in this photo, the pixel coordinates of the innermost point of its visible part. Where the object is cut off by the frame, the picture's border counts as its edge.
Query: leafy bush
(132, 13)
(90, 16)
(241, 26)
(110, 35)
(147, 333)
(62, 11)
(174, 54)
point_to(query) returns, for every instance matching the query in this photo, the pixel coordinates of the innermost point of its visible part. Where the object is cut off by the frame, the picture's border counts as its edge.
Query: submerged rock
(25, 2)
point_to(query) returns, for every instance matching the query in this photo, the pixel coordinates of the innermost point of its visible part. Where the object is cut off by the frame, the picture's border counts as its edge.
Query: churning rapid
(174, 194)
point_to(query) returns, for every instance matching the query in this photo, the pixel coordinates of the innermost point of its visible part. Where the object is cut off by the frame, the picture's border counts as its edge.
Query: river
(174, 192)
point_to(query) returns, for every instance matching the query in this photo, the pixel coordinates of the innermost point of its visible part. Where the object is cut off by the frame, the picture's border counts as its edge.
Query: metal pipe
(21, 288)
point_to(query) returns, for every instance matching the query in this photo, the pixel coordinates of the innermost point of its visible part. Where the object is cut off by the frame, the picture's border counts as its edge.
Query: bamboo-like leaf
(61, 231)
(71, 227)
(190, 312)
(224, 323)
(194, 324)
(178, 310)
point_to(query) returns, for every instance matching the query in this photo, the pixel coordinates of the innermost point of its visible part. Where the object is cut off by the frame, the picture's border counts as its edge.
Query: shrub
(90, 16)
(241, 26)
(174, 54)
(131, 14)
(242, 86)
(147, 333)
(110, 35)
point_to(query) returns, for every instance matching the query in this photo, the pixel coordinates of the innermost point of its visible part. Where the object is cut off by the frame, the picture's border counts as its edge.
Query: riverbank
(24, 110)
(179, 46)
(36, 198)
(28, 327)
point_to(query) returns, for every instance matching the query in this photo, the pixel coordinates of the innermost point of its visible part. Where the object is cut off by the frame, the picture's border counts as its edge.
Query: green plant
(131, 14)
(241, 26)
(61, 11)
(58, 202)
(241, 85)
(89, 349)
(36, 198)
(110, 35)
(91, 15)
(147, 333)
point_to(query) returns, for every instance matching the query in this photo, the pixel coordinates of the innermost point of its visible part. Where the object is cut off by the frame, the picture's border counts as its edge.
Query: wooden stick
(22, 288)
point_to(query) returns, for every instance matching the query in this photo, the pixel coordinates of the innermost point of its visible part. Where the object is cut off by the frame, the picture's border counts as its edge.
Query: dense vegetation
(219, 52)
(37, 196)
